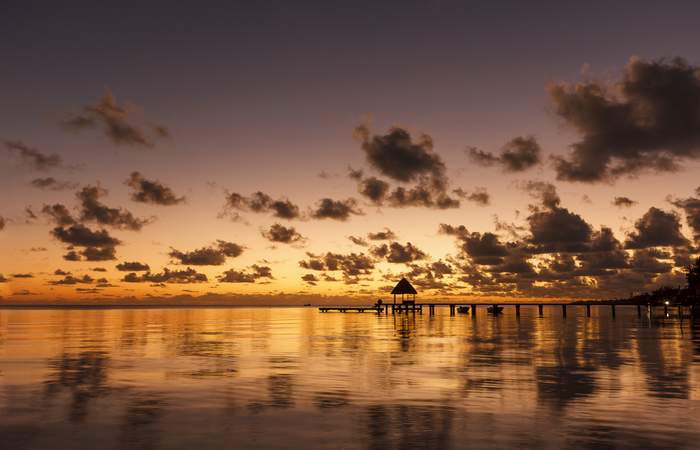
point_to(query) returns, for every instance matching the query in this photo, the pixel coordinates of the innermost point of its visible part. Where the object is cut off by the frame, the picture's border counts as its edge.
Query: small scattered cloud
(385, 235)
(623, 202)
(259, 202)
(116, 122)
(151, 191)
(336, 209)
(254, 273)
(517, 155)
(214, 255)
(397, 253)
(282, 234)
(132, 266)
(186, 276)
(33, 157)
(52, 184)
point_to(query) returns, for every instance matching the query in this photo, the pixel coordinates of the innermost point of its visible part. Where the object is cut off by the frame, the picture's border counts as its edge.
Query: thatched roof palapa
(403, 287)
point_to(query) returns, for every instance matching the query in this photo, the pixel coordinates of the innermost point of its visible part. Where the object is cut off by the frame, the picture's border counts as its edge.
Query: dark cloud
(282, 234)
(358, 241)
(482, 248)
(33, 157)
(480, 195)
(2, 223)
(351, 265)
(151, 191)
(336, 209)
(115, 121)
(208, 256)
(623, 202)
(3, 279)
(52, 184)
(97, 245)
(397, 253)
(648, 120)
(691, 208)
(519, 154)
(133, 266)
(99, 269)
(259, 202)
(70, 280)
(384, 235)
(186, 276)
(397, 156)
(22, 275)
(647, 261)
(254, 273)
(656, 228)
(38, 249)
(373, 188)
(61, 272)
(310, 278)
(92, 209)
(58, 214)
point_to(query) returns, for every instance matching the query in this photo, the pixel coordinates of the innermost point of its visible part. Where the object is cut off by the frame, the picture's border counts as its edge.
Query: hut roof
(403, 287)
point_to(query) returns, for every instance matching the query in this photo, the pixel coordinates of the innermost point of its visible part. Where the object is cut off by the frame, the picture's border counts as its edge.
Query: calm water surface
(293, 378)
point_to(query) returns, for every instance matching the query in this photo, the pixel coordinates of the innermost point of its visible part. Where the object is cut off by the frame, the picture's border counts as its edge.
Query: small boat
(494, 309)
(463, 309)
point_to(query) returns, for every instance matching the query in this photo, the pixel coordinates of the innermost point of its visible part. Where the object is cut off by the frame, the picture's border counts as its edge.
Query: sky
(300, 151)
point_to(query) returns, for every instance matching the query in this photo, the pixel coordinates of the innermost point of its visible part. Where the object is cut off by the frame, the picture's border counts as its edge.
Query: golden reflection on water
(293, 377)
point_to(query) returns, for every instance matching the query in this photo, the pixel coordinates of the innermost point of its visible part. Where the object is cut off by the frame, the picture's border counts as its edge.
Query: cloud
(282, 234)
(132, 267)
(691, 208)
(3, 279)
(58, 214)
(61, 272)
(482, 248)
(97, 245)
(151, 191)
(397, 253)
(395, 155)
(517, 155)
(351, 265)
(22, 275)
(384, 235)
(94, 210)
(656, 228)
(358, 241)
(398, 157)
(2, 223)
(623, 202)
(33, 157)
(208, 256)
(254, 273)
(480, 195)
(649, 120)
(52, 184)
(259, 202)
(69, 280)
(186, 276)
(336, 209)
(115, 121)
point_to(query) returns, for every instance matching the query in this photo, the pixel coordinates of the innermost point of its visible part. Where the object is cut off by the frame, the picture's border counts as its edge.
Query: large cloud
(397, 156)
(260, 202)
(33, 157)
(254, 273)
(656, 228)
(116, 122)
(151, 191)
(519, 154)
(648, 120)
(214, 255)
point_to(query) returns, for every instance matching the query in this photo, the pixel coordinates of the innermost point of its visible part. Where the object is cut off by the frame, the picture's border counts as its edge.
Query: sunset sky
(310, 149)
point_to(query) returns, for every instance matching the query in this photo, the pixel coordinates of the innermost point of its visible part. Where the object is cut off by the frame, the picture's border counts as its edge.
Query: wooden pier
(410, 307)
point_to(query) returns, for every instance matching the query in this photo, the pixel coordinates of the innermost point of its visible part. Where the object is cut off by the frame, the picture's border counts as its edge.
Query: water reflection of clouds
(387, 382)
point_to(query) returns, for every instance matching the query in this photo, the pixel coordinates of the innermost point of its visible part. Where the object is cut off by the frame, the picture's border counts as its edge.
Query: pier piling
(613, 310)
(517, 310)
(452, 310)
(540, 307)
(563, 311)
(588, 310)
